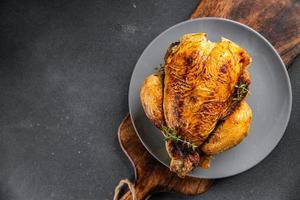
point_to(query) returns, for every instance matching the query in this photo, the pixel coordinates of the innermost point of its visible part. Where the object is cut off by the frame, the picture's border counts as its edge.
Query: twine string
(119, 187)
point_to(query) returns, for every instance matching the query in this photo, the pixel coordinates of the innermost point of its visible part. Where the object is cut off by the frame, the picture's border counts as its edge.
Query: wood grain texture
(150, 175)
(276, 20)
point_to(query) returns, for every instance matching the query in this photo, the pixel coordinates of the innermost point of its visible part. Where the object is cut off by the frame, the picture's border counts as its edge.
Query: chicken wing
(230, 132)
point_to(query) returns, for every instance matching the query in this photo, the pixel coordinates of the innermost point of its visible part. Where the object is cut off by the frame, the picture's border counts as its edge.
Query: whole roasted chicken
(197, 100)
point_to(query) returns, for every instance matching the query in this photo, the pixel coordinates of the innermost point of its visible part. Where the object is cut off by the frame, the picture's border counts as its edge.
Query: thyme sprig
(160, 68)
(241, 91)
(170, 134)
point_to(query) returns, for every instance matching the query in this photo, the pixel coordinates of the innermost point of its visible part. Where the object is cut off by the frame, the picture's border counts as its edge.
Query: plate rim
(290, 96)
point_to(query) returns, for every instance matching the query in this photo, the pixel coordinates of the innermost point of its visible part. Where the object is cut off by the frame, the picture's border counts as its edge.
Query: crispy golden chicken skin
(200, 95)
(230, 132)
(151, 95)
(199, 79)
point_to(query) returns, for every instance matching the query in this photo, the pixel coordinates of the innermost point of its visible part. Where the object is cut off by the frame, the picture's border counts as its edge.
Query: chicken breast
(200, 76)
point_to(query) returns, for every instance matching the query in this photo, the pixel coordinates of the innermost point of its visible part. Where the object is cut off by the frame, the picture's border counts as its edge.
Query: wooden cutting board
(278, 21)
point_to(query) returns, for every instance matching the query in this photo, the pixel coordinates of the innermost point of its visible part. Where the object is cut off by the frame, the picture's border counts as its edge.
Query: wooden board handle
(140, 193)
(150, 175)
(137, 191)
(276, 20)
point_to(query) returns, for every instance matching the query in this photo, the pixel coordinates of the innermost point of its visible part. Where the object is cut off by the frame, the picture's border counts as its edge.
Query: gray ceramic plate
(271, 98)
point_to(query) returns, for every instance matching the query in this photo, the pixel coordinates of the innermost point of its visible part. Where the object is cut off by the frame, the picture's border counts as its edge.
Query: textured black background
(64, 74)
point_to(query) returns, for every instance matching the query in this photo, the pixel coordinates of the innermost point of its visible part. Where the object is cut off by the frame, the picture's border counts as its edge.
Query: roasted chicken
(198, 100)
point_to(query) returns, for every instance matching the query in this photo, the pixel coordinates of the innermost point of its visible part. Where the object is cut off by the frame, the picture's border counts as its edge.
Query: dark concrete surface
(64, 74)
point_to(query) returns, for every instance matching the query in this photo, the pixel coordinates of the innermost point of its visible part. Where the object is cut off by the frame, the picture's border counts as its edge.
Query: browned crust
(193, 112)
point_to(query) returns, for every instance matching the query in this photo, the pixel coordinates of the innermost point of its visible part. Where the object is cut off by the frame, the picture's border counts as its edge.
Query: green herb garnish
(241, 91)
(170, 134)
(160, 68)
